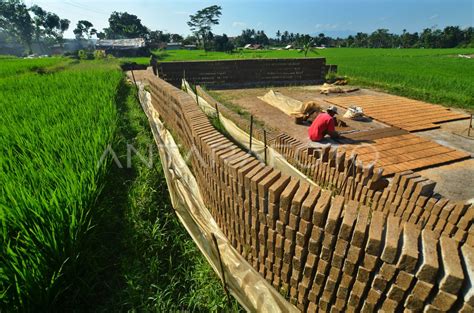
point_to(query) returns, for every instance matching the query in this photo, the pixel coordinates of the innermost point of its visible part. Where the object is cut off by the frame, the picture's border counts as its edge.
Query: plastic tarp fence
(252, 291)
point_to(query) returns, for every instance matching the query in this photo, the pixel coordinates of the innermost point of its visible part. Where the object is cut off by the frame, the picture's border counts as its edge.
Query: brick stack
(323, 252)
(245, 72)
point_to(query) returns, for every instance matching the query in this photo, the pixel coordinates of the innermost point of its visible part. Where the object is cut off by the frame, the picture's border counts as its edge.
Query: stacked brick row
(325, 253)
(408, 196)
(245, 72)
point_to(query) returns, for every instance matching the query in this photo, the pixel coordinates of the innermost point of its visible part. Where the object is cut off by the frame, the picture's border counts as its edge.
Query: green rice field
(77, 232)
(433, 75)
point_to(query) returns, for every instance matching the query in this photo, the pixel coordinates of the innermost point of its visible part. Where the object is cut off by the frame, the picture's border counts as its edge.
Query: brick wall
(245, 72)
(324, 252)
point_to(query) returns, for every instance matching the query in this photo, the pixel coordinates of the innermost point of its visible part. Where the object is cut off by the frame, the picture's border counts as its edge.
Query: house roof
(132, 43)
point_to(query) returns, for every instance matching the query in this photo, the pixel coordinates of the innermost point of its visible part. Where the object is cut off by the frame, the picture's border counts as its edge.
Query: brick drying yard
(433, 139)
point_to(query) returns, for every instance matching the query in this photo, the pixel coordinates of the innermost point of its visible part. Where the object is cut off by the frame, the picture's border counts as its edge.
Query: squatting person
(323, 125)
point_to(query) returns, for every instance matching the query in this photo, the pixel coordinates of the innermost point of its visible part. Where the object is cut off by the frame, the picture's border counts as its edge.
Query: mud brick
(344, 285)
(385, 274)
(439, 206)
(312, 308)
(358, 237)
(271, 239)
(285, 273)
(280, 227)
(458, 211)
(404, 182)
(293, 222)
(323, 303)
(356, 293)
(305, 228)
(409, 254)
(350, 216)
(374, 240)
(314, 246)
(334, 214)
(424, 188)
(443, 300)
(320, 276)
(254, 181)
(401, 285)
(449, 229)
(299, 258)
(299, 197)
(321, 209)
(446, 211)
(370, 261)
(392, 236)
(466, 308)
(363, 274)
(467, 253)
(339, 253)
(370, 302)
(339, 305)
(466, 219)
(279, 242)
(288, 251)
(272, 215)
(309, 267)
(265, 183)
(452, 269)
(389, 305)
(352, 260)
(411, 186)
(309, 203)
(277, 188)
(418, 295)
(327, 248)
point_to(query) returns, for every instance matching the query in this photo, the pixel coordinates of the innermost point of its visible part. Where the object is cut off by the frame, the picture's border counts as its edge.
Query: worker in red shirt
(324, 124)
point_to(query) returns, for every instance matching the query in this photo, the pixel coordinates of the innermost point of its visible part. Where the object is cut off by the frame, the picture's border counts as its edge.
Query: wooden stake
(251, 131)
(265, 143)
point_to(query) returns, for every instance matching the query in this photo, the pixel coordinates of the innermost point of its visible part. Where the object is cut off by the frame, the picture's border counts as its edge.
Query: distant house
(123, 47)
(190, 47)
(253, 46)
(288, 47)
(174, 46)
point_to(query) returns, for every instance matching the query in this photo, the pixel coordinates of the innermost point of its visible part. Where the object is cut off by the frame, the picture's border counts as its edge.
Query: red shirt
(323, 124)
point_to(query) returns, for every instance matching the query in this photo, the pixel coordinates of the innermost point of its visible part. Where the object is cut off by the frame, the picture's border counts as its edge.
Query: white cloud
(434, 16)
(239, 24)
(326, 26)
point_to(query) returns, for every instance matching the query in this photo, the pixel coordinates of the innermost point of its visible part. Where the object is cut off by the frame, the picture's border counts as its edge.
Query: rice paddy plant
(54, 129)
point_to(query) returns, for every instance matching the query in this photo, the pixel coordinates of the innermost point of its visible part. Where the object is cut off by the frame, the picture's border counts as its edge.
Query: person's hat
(332, 109)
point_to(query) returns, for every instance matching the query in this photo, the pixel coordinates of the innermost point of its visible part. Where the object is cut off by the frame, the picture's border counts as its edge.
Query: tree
(278, 35)
(16, 21)
(306, 43)
(201, 23)
(222, 43)
(125, 25)
(84, 27)
(49, 25)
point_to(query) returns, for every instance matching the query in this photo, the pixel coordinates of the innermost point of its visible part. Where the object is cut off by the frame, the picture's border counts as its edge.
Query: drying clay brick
(418, 295)
(453, 273)
(309, 203)
(321, 209)
(374, 240)
(358, 237)
(277, 188)
(391, 240)
(409, 254)
(265, 183)
(466, 308)
(429, 266)
(350, 216)
(468, 262)
(287, 194)
(385, 274)
(334, 214)
(444, 300)
(299, 197)
(400, 286)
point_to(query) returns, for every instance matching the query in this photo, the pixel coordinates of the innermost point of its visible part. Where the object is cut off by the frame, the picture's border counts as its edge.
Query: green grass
(434, 75)
(80, 237)
(53, 130)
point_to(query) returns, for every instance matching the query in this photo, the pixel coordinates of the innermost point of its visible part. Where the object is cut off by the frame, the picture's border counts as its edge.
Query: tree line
(34, 24)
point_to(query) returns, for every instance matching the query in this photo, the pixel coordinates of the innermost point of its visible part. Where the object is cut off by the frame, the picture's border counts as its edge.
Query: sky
(333, 18)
